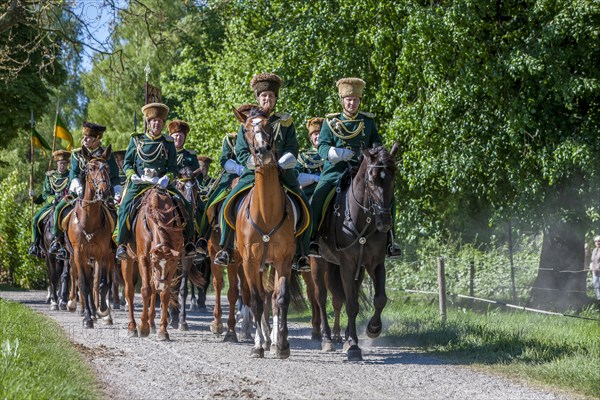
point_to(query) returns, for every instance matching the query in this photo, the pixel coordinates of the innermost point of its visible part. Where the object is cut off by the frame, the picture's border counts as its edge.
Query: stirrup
(34, 250)
(393, 252)
(55, 247)
(222, 258)
(62, 254)
(202, 246)
(121, 252)
(189, 250)
(314, 250)
(301, 264)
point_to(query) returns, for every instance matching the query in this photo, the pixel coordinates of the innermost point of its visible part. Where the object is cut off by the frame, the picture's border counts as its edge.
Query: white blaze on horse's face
(258, 132)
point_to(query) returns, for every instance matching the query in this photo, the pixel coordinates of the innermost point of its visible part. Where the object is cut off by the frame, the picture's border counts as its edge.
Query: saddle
(343, 184)
(299, 209)
(110, 213)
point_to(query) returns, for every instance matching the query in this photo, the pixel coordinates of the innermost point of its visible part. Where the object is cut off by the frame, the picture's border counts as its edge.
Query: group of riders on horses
(156, 159)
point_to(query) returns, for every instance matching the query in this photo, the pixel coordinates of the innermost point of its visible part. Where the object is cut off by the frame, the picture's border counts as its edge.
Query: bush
(16, 265)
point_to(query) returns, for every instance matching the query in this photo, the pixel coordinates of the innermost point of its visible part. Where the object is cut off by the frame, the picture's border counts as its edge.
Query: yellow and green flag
(38, 141)
(62, 132)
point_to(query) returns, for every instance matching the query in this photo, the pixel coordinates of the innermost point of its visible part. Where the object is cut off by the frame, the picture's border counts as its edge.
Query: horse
(89, 233)
(264, 235)
(58, 270)
(322, 274)
(188, 186)
(353, 238)
(157, 247)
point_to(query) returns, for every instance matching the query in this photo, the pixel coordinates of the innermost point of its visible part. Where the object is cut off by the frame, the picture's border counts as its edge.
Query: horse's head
(258, 134)
(97, 175)
(380, 171)
(187, 184)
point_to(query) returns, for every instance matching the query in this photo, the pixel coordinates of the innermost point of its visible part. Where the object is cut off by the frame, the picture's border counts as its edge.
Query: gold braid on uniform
(180, 158)
(151, 156)
(310, 159)
(335, 124)
(58, 187)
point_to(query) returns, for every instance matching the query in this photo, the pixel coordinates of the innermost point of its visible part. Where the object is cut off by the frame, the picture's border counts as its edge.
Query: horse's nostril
(268, 147)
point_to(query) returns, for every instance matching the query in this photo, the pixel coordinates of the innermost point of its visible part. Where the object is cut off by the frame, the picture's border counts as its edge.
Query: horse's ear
(107, 152)
(395, 148)
(240, 115)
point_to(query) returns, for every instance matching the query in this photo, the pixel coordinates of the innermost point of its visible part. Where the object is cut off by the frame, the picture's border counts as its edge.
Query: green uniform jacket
(309, 162)
(78, 164)
(188, 158)
(144, 152)
(56, 186)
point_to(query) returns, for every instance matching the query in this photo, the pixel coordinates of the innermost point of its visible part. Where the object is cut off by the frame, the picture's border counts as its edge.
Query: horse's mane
(156, 212)
(384, 157)
(257, 112)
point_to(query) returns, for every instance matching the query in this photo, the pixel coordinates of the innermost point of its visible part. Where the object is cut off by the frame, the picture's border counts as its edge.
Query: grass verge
(37, 361)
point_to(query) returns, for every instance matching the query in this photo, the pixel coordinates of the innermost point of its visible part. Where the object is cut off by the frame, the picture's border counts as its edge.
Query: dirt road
(197, 364)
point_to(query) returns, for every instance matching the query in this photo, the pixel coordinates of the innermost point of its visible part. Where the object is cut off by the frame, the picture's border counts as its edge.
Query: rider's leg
(317, 200)
(123, 222)
(58, 237)
(34, 249)
(392, 249)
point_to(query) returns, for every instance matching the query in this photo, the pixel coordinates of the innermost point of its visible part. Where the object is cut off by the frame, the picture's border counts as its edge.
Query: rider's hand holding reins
(336, 154)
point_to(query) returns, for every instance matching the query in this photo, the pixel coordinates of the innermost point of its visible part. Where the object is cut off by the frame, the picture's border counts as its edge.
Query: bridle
(91, 179)
(258, 130)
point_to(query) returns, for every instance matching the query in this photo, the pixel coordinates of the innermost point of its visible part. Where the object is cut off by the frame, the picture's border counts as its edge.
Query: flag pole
(147, 70)
(54, 135)
(32, 154)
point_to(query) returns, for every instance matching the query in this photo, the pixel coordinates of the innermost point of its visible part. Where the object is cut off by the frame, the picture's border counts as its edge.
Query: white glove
(250, 163)
(287, 161)
(305, 179)
(76, 187)
(336, 154)
(233, 167)
(118, 191)
(163, 182)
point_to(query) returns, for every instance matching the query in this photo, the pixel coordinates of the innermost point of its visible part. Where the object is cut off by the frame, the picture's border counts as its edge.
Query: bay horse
(89, 232)
(187, 269)
(264, 235)
(157, 246)
(353, 238)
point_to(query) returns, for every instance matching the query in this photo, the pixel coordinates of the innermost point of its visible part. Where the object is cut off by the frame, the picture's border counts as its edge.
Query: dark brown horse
(264, 235)
(157, 246)
(353, 238)
(89, 232)
(58, 270)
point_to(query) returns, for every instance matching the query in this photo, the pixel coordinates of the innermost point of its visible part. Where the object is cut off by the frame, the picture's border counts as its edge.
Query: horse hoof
(88, 324)
(132, 333)
(62, 306)
(230, 337)
(107, 320)
(354, 353)
(338, 339)
(282, 354)
(53, 307)
(143, 332)
(162, 336)
(373, 331)
(327, 346)
(267, 346)
(72, 306)
(116, 306)
(153, 330)
(216, 328)
(183, 326)
(257, 353)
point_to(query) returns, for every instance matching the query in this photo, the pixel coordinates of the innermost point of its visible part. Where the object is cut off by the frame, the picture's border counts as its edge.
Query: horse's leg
(51, 271)
(275, 310)
(315, 319)
(283, 303)
(257, 304)
(334, 281)
(379, 301)
(320, 296)
(64, 285)
(245, 306)
(127, 271)
(351, 293)
(116, 302)
(154, 298)
(165, 298)
(72, 304)
(108, 267)
(85, 280)
(216, 326)
(183, 292)
(146, 290)
(232, 296)
(174, 311)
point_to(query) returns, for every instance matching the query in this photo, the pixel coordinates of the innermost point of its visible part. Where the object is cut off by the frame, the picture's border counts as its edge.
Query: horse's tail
(334, 283)
(196, 276)
(297, 300)
(119, 275)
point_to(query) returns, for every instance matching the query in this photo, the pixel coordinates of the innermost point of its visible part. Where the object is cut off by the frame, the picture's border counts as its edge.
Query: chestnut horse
(89, 233)
(353, 238)
(157, 246)
(264, 235)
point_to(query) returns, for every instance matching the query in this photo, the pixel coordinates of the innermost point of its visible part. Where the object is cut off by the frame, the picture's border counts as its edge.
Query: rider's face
(90, 142)
(351, 104)
(314, 138)
(178, 139)
(155, 126)
(61, 166)
(267, 100)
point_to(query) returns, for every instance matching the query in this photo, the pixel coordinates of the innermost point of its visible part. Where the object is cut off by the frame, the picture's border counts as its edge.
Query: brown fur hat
(204, 159)
(61, 155)
(95, 130)
(178, 125)
(314, 125)
(350, 87)
(155, 110)
(263, 82)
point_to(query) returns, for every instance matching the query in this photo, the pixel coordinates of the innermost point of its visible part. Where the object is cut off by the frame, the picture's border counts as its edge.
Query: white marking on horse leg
(275, 331)
(258, 340)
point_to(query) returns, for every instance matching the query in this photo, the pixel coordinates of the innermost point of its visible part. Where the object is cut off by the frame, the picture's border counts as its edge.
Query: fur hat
(95, 130)
(204, 159)
(314, 125)
(350, 87)
(178, 125)
(263, 82)
(61, 155)
(155, 110)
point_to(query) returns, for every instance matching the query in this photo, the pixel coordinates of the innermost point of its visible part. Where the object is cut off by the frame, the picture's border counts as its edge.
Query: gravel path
(198, 364)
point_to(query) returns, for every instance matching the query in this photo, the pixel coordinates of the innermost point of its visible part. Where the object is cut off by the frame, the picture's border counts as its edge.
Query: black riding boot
(34, 250)
(121, 252)
(56, 244)
(224, 257)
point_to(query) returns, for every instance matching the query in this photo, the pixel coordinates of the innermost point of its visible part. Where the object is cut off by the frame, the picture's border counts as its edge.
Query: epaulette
(50, 173)
(367, 114)
(168, 138)
(332, 115)
(192, 152)
(285, 118)
(137, 134)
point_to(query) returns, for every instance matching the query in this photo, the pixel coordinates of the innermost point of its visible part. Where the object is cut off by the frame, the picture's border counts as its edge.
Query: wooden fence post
(472, 278)
(442, 288)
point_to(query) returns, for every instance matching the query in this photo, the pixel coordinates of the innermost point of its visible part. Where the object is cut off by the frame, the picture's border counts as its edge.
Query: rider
(150, 159)
(56, 186)
(92, 141)
(204, 163)
(340, 141)
(231, 170)
(120, 159)
(266, 90)
(310, 163)
(186, 158)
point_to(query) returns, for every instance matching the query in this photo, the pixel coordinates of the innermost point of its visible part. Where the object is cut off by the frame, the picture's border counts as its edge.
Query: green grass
(37, 361)
(557, 351)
